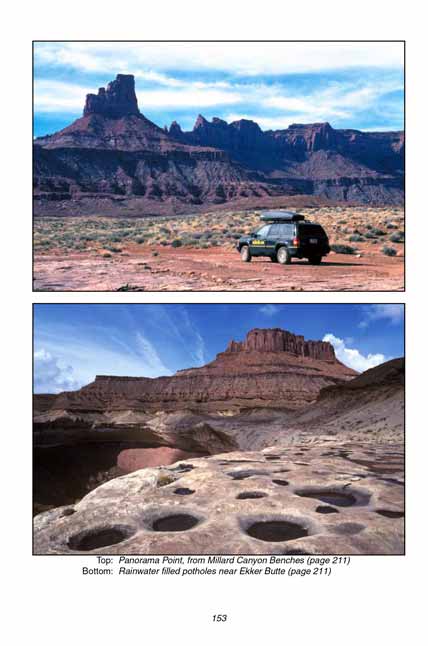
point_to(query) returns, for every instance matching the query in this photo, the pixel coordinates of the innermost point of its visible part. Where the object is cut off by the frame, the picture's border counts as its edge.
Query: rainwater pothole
(92, 539)
(251, 495)
(175, 523)
(325, 509)
(184, 491)
(390, 514)
(276, 531)
(337, 498)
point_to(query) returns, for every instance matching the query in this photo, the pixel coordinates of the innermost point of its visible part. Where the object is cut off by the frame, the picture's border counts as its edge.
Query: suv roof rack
(281, 216)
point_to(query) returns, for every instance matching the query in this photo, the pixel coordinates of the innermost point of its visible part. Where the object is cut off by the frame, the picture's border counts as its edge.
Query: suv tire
(282, 256)
(315, 260)
(273, 258)
(245, 253)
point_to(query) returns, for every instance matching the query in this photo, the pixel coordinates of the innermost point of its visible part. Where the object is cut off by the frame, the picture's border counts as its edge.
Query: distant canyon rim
(273, 447)
(114, 161)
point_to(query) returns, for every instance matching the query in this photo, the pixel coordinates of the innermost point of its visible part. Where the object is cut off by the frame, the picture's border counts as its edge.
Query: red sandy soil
(213, 269)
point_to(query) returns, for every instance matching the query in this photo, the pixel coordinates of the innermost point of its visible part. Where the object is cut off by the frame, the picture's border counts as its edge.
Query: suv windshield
(315, 230)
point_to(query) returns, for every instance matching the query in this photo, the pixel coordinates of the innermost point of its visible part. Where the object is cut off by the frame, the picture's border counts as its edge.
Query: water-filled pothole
(283, 483)
(183, 491)
(390, 514)
(241, 475)
(272, 457)
(69, 511)
(182, 468)
(331, 497)
(325, 509)
(92, 539)
(276, 531)
(249, 495)
(175, 523)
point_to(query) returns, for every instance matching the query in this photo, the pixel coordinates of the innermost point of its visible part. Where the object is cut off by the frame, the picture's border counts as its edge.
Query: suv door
(279, 233)
(258, 241)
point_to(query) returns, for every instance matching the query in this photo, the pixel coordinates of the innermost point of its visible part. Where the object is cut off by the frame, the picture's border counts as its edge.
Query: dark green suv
(286, 235)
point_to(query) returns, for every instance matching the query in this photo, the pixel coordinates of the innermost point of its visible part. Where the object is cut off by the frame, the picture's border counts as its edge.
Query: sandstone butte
(114, 160)
(274, 447)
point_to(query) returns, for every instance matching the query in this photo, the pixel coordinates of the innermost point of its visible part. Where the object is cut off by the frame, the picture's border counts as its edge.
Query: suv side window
(262, 233)
(282, 231)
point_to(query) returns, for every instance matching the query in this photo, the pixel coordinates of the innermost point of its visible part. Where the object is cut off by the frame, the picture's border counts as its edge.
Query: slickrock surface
(114, 161)
(307, 498)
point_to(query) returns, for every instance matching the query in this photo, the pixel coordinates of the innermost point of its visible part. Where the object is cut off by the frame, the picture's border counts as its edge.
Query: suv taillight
(296, 242)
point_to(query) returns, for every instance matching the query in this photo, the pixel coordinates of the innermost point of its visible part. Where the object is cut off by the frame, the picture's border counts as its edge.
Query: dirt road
(214, 269)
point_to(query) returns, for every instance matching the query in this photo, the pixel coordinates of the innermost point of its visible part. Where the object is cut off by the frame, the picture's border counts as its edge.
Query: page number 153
(219, 617)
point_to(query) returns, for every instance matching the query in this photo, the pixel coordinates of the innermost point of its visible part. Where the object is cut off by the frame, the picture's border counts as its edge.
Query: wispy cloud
(352, 357)
(269, 309)
(150, 356)
(238, 58)
(391, 313)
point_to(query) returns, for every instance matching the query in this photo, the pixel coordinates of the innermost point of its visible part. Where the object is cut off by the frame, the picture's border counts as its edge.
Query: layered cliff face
(114, 156)
(270, 368)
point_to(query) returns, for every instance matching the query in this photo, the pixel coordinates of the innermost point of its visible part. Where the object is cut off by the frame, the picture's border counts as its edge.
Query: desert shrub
(341, 222)
(378, 232)
(176, 243)
(397, 237)
(155, 253)
(140, 240)
(343, 248)
(389, 251)
(356, 237)
(106, 254)
(114, 249)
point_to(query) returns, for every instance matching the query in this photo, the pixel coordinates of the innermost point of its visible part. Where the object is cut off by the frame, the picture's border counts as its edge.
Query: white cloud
(59, 96)
(186, 97)
(352, 357)
(392, 313)
(51, 375)
(237, 58)
(269, 309)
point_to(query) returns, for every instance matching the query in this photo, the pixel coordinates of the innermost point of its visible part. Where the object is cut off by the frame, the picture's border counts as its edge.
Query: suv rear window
(311, 230)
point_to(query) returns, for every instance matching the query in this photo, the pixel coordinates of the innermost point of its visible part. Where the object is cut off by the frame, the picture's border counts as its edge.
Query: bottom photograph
(217, 429)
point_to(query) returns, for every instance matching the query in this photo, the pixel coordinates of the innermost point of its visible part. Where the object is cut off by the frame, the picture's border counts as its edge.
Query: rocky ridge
(114, 159)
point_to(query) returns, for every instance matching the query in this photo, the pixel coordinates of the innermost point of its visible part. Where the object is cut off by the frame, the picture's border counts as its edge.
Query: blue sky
(351, 85)
(73, 343)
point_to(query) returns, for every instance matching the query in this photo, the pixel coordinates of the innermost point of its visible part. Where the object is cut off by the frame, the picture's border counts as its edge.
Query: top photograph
(218, 166)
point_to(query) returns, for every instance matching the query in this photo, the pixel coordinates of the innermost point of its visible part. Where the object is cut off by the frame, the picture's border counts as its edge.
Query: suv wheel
(315, 260)
(245, 253)
(282, 256)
